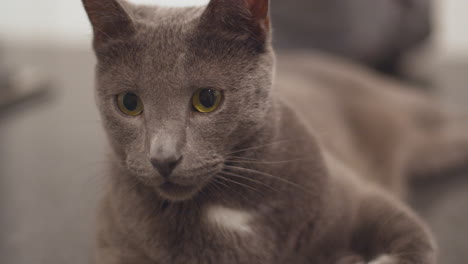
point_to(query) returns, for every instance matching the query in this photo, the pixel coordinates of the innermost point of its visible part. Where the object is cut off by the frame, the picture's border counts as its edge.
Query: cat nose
(165, 165)
(165, 153)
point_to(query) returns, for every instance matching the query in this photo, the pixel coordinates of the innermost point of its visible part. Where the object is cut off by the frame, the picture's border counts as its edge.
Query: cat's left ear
(110, 20)
(248, 18)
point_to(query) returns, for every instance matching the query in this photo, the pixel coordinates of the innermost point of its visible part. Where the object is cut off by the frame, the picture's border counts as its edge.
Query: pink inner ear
(259, 8)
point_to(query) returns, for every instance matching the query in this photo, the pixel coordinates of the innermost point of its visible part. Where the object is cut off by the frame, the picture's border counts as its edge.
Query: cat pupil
(208, 98)
(130, 101)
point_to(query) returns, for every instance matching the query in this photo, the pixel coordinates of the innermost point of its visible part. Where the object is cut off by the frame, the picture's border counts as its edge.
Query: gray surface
(51, 157)
(52, 160)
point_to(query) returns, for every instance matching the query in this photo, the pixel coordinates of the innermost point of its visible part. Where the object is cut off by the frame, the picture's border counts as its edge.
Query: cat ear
(242, 17)
(109, 19)
(260, 11)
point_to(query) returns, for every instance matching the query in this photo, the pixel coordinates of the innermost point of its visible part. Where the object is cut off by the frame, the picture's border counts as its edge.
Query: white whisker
(268, 175)
(260, 146)
(238, 183)
(268, 162)
(225, 173)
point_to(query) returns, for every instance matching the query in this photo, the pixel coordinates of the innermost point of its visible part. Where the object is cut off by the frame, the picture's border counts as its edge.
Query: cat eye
(206, 100)
(130, 104)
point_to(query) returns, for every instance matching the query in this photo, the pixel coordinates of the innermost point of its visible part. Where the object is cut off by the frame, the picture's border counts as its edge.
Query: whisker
(216, 180)
(260, 146)
(217, 188)
(268, 162)
(241, 158)
(269, 175)
(225, 173)
(238, 183)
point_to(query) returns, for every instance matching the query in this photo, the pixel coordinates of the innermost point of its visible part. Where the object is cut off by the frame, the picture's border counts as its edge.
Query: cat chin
(177, 193)
(179, 187)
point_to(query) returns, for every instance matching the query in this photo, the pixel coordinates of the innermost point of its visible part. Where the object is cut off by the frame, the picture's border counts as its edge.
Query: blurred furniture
(20, 85)
(376, 33)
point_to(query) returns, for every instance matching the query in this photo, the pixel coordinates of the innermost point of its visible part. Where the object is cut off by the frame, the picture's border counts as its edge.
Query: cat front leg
(386, 232)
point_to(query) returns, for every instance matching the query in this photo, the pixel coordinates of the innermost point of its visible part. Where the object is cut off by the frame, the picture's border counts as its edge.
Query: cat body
(287, 169)
(315, 213)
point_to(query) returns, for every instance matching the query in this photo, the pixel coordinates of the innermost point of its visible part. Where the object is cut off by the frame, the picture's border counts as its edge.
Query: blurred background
(52, 147)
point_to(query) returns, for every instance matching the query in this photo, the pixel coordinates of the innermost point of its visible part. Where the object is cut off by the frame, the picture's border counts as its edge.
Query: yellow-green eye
(206, 100)
(130, 104)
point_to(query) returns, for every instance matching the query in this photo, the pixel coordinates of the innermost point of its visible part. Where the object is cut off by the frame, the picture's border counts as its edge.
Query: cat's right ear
(110, 21)
(240, 19)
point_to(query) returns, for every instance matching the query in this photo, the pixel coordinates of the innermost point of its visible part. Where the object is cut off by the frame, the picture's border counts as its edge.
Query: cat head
(179, 88)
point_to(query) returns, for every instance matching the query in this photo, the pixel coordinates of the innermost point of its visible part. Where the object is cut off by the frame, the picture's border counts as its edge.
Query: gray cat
(215, 162)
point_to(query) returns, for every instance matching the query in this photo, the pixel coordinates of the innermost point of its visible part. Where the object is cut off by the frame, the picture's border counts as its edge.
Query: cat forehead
(166, 34)
(173, 47)
(165, 43)
(166, 16)
(163, 38)
(176, 28)
(165, 28)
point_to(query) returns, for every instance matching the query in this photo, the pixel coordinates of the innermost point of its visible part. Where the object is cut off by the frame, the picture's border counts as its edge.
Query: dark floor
(52, 160)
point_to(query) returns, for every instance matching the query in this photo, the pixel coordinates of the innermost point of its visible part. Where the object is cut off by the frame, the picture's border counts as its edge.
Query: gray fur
(317, 157)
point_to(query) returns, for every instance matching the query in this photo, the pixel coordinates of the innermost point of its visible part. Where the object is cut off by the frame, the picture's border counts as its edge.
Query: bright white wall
(453, 26)
(59, 21)
(64, 21)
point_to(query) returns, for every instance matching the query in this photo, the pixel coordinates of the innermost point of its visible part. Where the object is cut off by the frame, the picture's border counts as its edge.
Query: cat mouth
(179, 188)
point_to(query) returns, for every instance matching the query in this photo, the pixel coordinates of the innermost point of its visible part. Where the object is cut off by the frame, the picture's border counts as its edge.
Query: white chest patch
(384, 259)
(230, 219)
